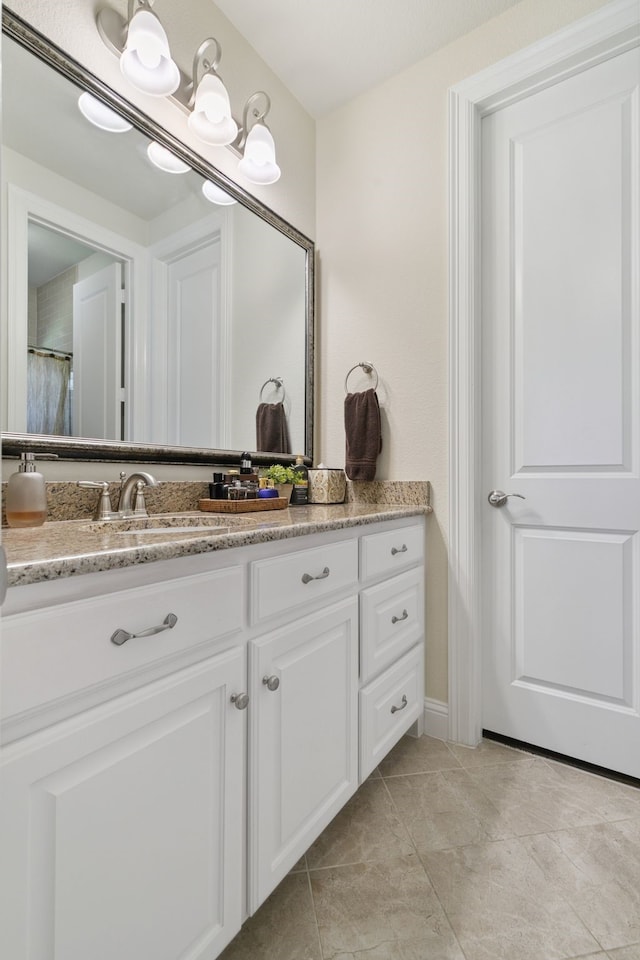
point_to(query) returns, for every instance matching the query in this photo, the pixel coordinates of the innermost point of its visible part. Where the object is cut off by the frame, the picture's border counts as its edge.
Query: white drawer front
(285, 583)
(52, 653)
(392, 620)
(388, 707)
(386, 553)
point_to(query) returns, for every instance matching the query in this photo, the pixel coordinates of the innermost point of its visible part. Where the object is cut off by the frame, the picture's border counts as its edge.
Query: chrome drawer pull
(271, 683)
(395, 709)
(400, 619)
(240, 700)
(307, 578)
(121, 636)
(402, 549)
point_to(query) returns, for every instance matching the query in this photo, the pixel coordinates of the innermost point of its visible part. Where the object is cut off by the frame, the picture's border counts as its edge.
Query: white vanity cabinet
(155, 792)
(122, 829)
(303, 736)
(391, 640)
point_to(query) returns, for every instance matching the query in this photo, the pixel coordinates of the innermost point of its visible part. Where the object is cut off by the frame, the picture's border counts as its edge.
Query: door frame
(606, 33)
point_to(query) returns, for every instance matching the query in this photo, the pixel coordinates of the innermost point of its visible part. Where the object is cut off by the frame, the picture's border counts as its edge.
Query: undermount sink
(169, 524)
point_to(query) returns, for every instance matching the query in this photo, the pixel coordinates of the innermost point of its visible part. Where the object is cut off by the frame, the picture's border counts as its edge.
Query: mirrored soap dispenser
(26, 503)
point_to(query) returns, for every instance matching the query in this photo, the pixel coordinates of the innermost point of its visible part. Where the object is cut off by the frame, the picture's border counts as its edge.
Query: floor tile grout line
(313, 907)
(426, 872)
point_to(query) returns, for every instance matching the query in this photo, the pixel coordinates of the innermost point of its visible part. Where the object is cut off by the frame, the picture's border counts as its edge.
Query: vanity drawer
(385, 553)
(388, 707)
(284, 583)
(56, 652)
(391, 621)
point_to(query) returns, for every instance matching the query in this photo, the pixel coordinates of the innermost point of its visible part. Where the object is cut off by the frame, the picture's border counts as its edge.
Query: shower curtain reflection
(48, 393)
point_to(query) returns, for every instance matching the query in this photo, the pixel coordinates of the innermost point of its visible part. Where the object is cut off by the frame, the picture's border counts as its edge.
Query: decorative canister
(327, 485)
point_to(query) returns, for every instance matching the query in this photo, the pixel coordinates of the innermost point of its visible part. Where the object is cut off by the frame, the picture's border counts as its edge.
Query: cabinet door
(122, 827)
(303, 743)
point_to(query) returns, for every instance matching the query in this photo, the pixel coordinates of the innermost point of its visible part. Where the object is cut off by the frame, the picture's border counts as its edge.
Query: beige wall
(382, 233)
(71, 25)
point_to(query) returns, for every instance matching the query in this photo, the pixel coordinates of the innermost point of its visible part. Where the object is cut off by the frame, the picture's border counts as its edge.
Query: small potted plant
(282, 478)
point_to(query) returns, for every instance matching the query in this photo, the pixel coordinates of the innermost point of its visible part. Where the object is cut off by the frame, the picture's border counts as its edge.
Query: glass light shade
(165, 160)
(146, 60)
(258, 164)
(214, 194)
(211, 119)
(100, 115)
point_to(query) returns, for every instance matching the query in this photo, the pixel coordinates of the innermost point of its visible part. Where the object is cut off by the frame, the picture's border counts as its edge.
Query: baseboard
(436, 719)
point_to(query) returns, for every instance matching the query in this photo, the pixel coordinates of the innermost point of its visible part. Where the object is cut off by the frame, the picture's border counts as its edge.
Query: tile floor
(448, 853)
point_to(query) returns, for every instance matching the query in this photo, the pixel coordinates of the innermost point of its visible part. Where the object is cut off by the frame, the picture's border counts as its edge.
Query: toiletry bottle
(300, 492)
(26, 504)
(215, 488)
(245, 463)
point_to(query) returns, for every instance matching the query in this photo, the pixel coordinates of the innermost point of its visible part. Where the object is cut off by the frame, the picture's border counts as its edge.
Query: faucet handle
(103, 510)
(140, 509)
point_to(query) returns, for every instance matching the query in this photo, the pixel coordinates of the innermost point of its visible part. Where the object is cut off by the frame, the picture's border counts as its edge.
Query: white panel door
(97, 352)
(194, 381)
(561, 417)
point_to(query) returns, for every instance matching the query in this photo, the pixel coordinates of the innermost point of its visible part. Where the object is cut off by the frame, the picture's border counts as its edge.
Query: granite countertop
(65, 548)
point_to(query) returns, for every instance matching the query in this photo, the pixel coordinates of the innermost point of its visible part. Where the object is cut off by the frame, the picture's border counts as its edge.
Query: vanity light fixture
(166, 160)
(215, 194)
(210, 119)
(255, 143)
(143, 48)
(100, 115)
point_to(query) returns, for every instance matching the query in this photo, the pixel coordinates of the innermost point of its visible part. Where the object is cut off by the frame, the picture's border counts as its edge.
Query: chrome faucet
(131, 502)
(128, 505)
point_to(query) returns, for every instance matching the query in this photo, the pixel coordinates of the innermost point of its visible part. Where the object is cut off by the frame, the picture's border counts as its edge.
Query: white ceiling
(328, 51)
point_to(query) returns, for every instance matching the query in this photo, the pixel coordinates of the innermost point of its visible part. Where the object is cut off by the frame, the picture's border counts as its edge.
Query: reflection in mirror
(141, 309)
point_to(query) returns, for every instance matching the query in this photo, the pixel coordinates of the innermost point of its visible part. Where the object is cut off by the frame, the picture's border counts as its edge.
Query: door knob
(498, 499)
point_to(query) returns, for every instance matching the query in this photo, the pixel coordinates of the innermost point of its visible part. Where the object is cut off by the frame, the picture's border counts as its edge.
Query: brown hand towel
(363, 434)
(272, 429)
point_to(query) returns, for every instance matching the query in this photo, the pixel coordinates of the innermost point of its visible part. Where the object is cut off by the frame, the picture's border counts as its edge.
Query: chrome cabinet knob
(272, 682)
(240, 700)
(498, 499)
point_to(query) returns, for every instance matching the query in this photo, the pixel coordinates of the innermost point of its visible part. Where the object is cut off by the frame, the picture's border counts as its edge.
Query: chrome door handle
(402, 549)
(271, 683)
(498, 499)
(121, 636)
(307, 578)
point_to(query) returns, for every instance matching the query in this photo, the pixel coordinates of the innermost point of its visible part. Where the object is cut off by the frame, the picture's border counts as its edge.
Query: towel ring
(367, 367)
(279, 385)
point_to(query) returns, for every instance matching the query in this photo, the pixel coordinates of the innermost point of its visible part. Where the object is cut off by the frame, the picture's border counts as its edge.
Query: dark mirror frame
(72, 448)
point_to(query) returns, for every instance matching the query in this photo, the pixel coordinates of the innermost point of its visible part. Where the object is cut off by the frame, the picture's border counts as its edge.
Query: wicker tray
(243, 506)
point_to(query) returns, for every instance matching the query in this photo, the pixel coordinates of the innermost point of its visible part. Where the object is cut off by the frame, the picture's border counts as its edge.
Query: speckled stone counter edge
(67, 549)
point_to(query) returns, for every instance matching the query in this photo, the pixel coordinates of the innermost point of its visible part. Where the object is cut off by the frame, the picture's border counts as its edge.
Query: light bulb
(166, 160)
(211, 119)
(214, 194)
(258, 164)
(100, 115)
(146, 60)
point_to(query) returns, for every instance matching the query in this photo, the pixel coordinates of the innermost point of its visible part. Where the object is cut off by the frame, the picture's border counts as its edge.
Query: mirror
(142, 320)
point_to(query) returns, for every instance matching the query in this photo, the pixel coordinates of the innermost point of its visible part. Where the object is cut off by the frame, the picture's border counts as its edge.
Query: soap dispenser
(26, 503)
